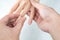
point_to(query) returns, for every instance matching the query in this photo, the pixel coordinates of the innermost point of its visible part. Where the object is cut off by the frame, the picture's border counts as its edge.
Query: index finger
(32, 14)
(15, 6)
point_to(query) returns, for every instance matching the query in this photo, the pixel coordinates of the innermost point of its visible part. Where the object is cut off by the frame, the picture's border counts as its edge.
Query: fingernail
(30, 22)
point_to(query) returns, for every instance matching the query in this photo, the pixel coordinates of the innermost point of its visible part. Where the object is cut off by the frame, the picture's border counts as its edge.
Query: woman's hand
(47, 19)
(26, 7)
(11, 25)
(45, 16)
(32, 11)
(9, 28)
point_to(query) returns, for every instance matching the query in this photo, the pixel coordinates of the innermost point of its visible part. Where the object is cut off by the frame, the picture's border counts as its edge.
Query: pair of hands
(45, 17)
(24, 6)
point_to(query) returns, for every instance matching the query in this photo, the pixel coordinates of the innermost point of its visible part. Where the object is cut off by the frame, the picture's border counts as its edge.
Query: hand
(9, 31)
(11, 25)
(45, 17)
(27, 7)
(32, 11)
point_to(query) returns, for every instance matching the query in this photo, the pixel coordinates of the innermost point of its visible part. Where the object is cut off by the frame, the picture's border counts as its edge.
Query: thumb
(38, 7)
(44, 11)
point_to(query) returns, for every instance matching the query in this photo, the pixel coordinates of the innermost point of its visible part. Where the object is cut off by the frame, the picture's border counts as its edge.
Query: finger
(35, 4)
(20, 23)
(15, 6)
(41, 9)
(28, 14)
(8, 17)
(31, 15)
(37, 18)
(25, 10)
(21, 6)
(37, 0)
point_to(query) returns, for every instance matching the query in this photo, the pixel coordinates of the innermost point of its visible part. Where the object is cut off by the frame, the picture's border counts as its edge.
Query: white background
(29, 32)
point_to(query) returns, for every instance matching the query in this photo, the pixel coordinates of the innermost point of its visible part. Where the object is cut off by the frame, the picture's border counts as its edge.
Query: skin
(47, 19)
(28, 7)
(11, 25)
(32, 10)
(44, 16)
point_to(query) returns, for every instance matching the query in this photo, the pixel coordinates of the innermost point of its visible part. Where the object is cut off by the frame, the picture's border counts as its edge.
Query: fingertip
(35, 4)
(24, 18)
(30, 22)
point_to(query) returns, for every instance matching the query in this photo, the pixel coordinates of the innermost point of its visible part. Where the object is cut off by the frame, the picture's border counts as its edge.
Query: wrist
(55, 33)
